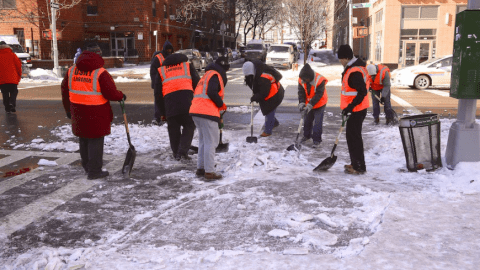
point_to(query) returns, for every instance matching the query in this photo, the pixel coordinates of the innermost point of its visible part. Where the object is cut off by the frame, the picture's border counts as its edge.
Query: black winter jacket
(356, 82)
(261, 87)
(213, 88)
(178, 102)
(155, 63)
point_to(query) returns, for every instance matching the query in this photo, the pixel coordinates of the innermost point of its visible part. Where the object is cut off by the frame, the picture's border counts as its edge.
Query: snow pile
(40, 75)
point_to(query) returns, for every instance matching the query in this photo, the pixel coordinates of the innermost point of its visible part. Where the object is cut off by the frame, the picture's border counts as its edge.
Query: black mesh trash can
(421, 141)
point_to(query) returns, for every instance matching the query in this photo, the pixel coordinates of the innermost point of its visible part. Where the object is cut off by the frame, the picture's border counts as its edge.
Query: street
(163, 217)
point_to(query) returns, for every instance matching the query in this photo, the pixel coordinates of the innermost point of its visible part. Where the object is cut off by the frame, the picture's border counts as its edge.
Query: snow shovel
(222, 147)
(251, 139)
(131, 153)
(296, 146)
(328, 162)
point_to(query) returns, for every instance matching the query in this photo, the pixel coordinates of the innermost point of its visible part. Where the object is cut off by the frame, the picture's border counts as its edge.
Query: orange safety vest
(319, 79)
(348, 93)
(201, 103)
(84, 88)
(176, 77)
(378, 83)
(274, 85)
(160, 58)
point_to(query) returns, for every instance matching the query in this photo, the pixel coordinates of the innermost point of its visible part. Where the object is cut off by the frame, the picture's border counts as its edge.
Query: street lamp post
(223, 27)
(53, 8)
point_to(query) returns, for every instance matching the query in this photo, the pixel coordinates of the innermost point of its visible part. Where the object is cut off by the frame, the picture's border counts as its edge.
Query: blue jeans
(270, 122)
(387, 107)
(311, 130)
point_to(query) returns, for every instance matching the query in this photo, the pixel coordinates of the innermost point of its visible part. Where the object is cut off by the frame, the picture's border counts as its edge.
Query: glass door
(416, 52)
(424, 52)
(410, 53)
(120, 46)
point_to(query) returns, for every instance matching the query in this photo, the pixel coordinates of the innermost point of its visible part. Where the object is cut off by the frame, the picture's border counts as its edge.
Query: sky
(390, 218)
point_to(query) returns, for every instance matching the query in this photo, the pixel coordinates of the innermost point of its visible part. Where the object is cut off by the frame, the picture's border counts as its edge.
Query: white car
(280, 55)
(433, 72)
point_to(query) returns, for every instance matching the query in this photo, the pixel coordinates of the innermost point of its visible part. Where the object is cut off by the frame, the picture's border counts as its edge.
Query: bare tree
(309, 19)
(254, 15)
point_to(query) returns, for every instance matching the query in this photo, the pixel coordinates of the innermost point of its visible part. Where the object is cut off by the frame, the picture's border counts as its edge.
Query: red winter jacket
(10, 66)
(91, 121)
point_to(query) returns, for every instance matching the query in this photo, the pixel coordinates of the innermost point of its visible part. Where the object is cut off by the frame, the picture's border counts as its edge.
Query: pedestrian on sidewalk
(354, 103)
(79, 51)
(312, 100)
(205, 111)
(87, 89)
(380, 75)
(267, 91)
(10, 76)
(176, 79)
(157, 60)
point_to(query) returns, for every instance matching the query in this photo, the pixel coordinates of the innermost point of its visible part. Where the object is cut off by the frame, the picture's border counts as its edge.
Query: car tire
(422, 82)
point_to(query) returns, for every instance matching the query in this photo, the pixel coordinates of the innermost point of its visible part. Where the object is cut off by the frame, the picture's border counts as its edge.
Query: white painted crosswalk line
(405, 104)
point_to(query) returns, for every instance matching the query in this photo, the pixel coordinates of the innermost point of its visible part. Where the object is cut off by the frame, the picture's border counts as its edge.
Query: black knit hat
(306, 73)
(3, 43)
(345, 52)
(223, 62)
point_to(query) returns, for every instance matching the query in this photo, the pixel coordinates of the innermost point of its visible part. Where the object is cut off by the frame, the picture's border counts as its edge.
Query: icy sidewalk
(269, 212)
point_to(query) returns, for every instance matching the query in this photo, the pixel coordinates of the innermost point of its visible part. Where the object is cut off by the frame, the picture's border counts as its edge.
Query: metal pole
(56, 69)
(350, 30)
(464, 136)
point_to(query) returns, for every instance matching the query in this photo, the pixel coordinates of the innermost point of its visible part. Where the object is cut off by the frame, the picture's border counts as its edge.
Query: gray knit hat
(248, 68)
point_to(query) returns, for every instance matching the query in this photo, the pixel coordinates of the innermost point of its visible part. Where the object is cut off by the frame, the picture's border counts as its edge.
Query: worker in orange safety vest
(354, 103)
(380, 87)
(157, 61)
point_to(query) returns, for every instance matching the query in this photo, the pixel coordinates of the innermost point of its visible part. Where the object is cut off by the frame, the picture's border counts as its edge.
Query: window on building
(461, 8)
(165, 14)
(378, 46)
(8, 4)
(420, 12)
(154, 8)
(414, 34)
(379, 16)
(171, 11)
(92, 8)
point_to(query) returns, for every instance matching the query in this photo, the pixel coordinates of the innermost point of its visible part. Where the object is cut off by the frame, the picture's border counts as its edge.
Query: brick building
(400, 32)
(118, 26)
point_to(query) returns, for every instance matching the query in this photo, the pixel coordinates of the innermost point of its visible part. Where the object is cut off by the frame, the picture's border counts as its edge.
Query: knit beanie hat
(248, 68)
(223, 62)
(3, 43)
(345, 52)
(372, 69)
(306, 73)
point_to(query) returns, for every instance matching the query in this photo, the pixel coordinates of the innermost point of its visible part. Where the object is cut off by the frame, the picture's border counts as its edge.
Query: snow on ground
(397, 219)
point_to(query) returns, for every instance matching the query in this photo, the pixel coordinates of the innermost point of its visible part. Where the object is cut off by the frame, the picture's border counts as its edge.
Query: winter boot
(98, 175)
(264, 134)
(316, 144)
(351, 170)
(390, 121)
(212, 176)
(376, 121)
(200, 172)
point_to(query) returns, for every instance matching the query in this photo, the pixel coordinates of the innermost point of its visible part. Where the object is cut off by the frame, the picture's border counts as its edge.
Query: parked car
(242, 51)
(255, 50)
(227, 52)
(207, 59)
(236, 54)
(194, 57)
(295, 49)
(433, 72)
(280, 55)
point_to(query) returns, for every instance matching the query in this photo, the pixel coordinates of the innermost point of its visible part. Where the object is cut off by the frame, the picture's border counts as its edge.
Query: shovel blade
(326, 164)
(252, 139)
(294, 147)
(222, 148)
(129, 160)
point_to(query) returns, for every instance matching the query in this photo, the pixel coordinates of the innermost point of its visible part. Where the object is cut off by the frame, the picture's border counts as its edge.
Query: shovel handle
(251, 118)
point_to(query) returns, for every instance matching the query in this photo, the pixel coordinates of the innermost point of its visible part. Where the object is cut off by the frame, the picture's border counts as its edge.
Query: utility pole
(53, 9)
(223, 28)
(350, 29)
(464, 136)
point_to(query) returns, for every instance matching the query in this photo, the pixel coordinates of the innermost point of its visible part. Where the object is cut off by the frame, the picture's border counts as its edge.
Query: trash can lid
(420, 120)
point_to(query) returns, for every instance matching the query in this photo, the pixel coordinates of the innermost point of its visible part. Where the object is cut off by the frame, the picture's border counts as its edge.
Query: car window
(254, 46)
(278, 49)
(447, 62)
(16, 48)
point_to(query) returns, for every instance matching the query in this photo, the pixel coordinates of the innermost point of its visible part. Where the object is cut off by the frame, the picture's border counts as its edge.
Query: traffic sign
(54, 5)
(361, 5)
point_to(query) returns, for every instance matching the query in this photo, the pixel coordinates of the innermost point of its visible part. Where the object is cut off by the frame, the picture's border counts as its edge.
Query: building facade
(401, 33)
(134, 29)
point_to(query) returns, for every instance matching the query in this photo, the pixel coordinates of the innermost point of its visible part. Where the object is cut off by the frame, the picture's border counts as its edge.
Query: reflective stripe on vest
(176, 77)
(160, 58)
(319, 79)
(274, 85)
(348, 93)
(201, 103)
(378, 83)
(84, 88)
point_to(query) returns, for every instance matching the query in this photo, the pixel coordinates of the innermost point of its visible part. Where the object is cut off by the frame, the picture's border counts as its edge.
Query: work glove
(224, 107)
(382, 100)
(301, 106)
(308, 108)
(69, 115)
(124, 97)
(252, 99)
(347, 110)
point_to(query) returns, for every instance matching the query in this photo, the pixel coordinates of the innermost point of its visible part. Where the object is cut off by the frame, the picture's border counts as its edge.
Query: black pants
(355, 141)
(180, 130)
(9, 93)
(91, 152)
